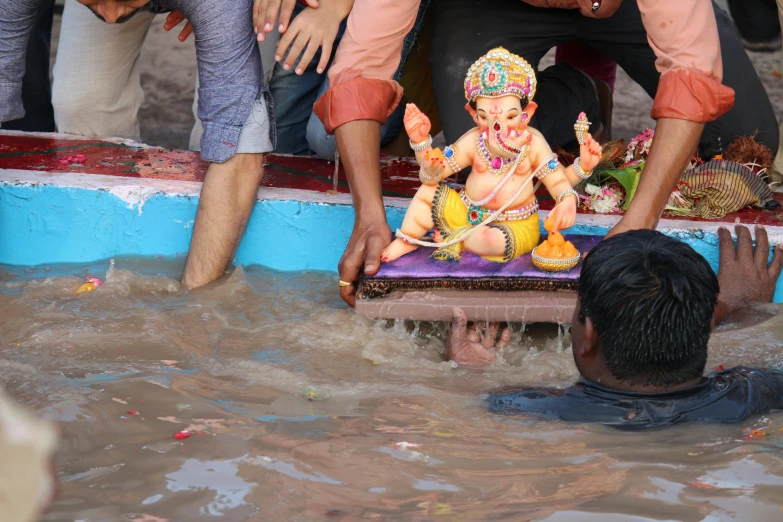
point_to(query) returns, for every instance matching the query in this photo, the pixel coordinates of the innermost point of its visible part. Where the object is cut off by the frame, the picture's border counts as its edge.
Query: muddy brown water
(304, 411)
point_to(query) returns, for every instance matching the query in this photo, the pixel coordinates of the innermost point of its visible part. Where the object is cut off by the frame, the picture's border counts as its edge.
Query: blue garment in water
(727, 397)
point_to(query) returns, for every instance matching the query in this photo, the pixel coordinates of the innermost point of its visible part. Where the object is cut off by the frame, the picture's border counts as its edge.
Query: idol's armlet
(454, 158)
(460, 155)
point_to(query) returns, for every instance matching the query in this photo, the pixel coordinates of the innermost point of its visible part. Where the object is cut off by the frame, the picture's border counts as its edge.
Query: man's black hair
(651, 299)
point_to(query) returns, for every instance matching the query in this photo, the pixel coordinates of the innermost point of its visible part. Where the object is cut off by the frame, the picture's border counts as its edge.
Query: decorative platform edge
(437, 305)
(369, 288)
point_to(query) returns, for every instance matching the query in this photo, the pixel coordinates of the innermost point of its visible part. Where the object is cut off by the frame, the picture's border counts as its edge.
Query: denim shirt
(229, 65)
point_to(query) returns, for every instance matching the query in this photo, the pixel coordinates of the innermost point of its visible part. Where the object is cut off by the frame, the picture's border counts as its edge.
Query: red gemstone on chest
(496, 163)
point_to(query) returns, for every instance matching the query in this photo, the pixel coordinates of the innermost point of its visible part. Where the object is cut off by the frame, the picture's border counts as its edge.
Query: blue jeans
(299, 131)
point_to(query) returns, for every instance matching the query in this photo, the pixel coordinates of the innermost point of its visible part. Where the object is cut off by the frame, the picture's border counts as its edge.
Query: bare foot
(397, 249)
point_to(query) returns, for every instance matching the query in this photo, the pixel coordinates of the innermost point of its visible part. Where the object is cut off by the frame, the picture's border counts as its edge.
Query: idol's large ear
(530, 110)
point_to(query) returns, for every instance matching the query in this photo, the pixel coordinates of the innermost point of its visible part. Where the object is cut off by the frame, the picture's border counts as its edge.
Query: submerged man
(646, 305)
(97, 92)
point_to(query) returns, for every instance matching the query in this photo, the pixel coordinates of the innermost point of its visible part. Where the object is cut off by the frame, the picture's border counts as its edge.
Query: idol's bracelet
(569, 192)
(424, 145)
(424, 177)
(580, 171)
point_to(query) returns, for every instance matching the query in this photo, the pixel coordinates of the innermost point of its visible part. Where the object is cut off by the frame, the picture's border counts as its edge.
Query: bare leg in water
(227, 198)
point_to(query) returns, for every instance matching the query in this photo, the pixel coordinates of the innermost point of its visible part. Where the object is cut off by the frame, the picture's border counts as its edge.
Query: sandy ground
(168, 73)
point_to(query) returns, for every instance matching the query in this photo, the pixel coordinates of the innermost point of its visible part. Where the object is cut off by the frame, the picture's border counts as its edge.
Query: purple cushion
(418, 265)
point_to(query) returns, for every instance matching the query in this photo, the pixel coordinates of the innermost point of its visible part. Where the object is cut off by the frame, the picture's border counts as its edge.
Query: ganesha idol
(496, 215)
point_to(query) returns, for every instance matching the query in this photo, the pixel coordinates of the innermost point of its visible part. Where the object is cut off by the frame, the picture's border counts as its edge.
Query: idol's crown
(500, 73)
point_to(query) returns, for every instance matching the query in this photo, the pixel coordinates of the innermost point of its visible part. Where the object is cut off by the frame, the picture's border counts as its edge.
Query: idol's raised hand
(417, 124)
(589, 153)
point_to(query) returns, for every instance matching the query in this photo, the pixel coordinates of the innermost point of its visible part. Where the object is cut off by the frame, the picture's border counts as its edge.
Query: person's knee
(70, 104)
(236, 180)
(768, 132)
(248, 169)
(87, 109)
(322, 144)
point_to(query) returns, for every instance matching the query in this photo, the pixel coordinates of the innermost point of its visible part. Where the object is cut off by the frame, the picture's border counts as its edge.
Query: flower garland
(638, 148)
(616, 180)
(603, 200)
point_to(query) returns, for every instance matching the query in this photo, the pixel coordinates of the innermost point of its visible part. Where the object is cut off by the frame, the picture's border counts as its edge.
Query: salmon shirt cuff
(356, 99)
(692, 96)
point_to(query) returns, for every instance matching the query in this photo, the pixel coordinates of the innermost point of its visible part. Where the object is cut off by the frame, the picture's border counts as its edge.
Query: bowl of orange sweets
(555, 254)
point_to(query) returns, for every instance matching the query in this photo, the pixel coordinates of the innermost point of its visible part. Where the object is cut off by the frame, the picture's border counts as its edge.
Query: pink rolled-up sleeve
(684, 36)
(361, 85)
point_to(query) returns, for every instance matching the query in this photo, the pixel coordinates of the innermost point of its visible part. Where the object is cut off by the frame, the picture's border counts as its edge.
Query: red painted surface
(61, 155)
(400, 176)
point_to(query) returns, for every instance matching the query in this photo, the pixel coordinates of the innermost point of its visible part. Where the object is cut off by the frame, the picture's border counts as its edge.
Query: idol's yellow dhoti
(453, 219)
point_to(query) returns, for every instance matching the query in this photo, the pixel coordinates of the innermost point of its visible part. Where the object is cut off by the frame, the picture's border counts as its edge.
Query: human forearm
(342, 7)
(359, 144)
(672, 149)
(16, 22)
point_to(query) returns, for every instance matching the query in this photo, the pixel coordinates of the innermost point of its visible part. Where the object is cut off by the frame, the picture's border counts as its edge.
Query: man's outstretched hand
(265, 12)
(173, 20)
(474, 347)
(744, 274)
(363, 250)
